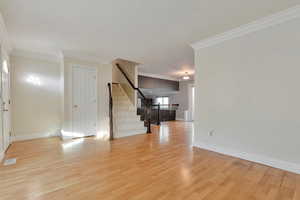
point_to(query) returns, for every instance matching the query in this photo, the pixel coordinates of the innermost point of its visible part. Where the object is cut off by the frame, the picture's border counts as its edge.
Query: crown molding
(83, 57)
(159, 76)
(50, 57)
(4, 38)
(54, 56)
(263, 23)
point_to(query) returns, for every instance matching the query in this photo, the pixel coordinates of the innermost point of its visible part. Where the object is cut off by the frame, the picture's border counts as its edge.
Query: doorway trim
(191, 101)
(4, 146)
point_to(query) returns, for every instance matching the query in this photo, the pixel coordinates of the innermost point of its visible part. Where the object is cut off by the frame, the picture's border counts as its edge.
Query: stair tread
(127, 122)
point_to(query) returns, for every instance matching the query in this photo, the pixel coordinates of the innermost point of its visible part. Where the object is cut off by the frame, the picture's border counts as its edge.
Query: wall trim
(284, 165)
(37, 55)
(266, 22)
(83, 57)
(31, 136)
(54, 56)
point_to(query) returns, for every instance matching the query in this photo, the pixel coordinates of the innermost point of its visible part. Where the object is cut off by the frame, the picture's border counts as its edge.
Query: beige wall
(130, 69)
(104, 77)
(35, 97)
(247, 92)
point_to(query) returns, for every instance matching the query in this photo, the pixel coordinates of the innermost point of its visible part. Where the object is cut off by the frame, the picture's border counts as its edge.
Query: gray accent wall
(154, 83)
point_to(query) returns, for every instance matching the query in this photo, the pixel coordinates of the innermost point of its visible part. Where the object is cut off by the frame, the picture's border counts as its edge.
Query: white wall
(104, 77)
(183, 98)
(41, 96)
(247, 92)
(35, 98)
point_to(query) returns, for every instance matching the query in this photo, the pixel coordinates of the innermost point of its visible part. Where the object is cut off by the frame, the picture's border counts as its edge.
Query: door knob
(5, 110)
(75, 106)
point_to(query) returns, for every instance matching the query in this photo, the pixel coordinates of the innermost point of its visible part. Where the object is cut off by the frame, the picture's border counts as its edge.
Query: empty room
(149, 100)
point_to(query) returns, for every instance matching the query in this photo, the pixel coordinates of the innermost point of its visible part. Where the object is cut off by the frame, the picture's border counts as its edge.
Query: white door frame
(191, 107)
(4, 57)
(71, 93)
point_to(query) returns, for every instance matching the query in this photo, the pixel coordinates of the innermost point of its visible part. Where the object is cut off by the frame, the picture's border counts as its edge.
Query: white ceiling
(156, 33)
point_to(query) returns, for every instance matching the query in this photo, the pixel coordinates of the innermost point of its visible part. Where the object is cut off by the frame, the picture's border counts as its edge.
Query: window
(163, 101)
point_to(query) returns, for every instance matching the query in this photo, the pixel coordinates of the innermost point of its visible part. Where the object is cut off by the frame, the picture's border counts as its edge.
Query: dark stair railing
(111, 125)
(160, 112)
(145, 101)
(157, 114)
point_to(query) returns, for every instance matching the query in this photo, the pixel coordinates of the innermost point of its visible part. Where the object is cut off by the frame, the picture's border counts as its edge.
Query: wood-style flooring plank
(158, 166)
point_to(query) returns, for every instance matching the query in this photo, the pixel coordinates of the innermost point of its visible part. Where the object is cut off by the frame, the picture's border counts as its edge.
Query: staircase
(126, 121)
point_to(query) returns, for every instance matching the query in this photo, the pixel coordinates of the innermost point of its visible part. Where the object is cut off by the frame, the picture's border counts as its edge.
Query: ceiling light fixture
(186, 76)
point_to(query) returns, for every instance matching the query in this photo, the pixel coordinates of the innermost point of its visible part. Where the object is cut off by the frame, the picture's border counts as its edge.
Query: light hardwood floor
(162, 165)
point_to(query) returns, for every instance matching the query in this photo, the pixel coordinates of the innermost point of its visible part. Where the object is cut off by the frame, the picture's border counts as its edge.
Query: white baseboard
(292, 167)
(22, 137)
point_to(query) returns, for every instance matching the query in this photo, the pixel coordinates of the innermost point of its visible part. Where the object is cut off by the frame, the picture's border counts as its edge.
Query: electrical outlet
(211, 133)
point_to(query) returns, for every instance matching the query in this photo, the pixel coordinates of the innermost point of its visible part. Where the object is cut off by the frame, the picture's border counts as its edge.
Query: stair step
(122, 101)
(120, 97)
(125, 109)
(123, 113)
(130, 125)
(127, 119)
(119, 134)
(123, 105)
(131, 130)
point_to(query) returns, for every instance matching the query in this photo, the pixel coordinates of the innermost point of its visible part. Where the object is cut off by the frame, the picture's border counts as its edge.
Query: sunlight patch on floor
(10, 161)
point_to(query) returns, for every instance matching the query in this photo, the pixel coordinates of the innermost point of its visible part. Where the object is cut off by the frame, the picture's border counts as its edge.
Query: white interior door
(6, 111)
(84, 121)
